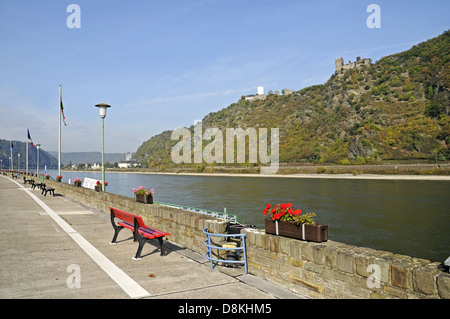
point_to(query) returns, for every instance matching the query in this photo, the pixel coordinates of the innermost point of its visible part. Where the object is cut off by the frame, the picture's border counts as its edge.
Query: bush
(321, 170)
(345, 161)
(435, 109)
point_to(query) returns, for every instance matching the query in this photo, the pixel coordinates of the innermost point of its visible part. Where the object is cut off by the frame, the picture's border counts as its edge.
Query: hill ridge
(394, 109)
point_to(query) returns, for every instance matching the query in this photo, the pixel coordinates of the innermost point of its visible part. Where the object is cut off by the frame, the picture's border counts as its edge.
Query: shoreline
(326, 176)
(416, 171)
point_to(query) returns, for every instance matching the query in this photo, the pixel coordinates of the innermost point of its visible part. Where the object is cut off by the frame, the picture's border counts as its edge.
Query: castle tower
(339, 63)
(260, 90)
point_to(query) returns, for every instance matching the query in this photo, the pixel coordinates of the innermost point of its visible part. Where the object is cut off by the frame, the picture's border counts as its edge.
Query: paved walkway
(53, 247)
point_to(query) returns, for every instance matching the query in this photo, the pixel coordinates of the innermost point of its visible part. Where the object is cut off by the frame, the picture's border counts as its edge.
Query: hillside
(20, 148)
(396, 109)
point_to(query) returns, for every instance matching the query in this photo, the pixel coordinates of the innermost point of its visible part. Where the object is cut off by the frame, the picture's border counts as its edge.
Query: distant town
(129, 162)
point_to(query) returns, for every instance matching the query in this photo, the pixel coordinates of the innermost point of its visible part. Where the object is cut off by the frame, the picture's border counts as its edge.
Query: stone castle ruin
(341, 67)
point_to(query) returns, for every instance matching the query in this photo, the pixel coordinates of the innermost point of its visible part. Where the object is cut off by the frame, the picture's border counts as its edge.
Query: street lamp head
(38, 146)
(103, 107)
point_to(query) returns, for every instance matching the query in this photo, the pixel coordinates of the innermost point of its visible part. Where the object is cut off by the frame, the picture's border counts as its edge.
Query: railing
(209, 254)
(223, 215)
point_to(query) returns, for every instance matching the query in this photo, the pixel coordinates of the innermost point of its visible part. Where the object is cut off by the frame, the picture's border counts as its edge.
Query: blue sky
(163, 64)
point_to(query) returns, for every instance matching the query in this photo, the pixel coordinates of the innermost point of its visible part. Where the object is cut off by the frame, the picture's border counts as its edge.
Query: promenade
(54, 247)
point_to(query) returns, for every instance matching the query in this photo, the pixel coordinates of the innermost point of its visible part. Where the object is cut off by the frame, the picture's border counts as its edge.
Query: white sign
(89, 183)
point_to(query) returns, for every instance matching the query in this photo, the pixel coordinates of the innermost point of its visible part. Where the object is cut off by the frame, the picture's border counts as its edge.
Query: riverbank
(411, 172)
(397, 171)
(330, 176)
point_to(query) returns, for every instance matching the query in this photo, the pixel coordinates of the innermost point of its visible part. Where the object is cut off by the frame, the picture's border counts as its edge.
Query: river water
(409, 217)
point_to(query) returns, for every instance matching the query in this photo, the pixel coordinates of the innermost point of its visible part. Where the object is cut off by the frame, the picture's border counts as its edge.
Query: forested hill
(20, 148)
(394, 109)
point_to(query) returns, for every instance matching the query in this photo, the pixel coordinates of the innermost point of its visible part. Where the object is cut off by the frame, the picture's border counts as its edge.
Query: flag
(11, 146)
(29, 138)
(62, 111)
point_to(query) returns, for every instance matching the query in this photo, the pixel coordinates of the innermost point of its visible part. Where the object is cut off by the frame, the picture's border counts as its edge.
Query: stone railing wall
(336, 270)
(320, 270)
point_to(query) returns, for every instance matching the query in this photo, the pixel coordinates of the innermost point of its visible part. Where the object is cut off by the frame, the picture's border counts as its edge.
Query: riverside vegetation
(396, 109)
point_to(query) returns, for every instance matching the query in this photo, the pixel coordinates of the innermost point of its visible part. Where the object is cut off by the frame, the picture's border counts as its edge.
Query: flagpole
(59, 143)
(12, 161)
(26, 157)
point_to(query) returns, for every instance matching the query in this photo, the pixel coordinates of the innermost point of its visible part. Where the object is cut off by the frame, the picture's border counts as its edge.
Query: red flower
(284, 212)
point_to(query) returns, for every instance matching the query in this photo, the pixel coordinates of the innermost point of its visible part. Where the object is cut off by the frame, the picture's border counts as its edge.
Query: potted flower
(47, 176)
(58, 178)
(143, 195)
(98, 186)
(284, 220)
(77, 182)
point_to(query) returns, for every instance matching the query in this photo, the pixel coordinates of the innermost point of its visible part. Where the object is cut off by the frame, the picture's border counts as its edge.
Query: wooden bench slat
(126, 225)
(147, 234)
(154, 232)
(128, 217)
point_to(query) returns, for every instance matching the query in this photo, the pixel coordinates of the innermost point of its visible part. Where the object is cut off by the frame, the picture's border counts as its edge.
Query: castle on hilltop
(259, 95)
(341, 67)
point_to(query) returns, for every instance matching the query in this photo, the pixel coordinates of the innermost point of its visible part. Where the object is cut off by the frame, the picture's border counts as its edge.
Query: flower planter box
(77, 184)
(310, 232)
(98, 188)
(146, 199)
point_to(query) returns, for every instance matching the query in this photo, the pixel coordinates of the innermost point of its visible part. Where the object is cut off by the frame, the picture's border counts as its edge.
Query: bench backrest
(127, 217)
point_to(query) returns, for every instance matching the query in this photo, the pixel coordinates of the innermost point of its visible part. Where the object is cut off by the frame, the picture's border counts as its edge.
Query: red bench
(141, 232)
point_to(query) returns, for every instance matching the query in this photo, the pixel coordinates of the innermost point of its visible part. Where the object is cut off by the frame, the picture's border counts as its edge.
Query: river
(409, 217)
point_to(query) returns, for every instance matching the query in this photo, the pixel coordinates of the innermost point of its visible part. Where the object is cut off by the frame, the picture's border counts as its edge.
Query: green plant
(141, 190)
(285, 212)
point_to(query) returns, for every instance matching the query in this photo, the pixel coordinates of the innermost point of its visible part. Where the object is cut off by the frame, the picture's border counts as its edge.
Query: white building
(260, 90)
(259, 94)
(129, 162)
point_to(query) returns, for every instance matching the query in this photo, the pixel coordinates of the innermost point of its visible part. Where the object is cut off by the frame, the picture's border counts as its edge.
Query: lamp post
(38, 146)
(18, 164)
(102, 108)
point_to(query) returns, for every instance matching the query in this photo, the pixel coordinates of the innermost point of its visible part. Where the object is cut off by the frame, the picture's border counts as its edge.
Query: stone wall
(336, 270)
(320, 270)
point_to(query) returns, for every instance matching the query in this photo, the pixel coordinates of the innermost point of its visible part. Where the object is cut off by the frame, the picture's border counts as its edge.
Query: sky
(162, 65)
